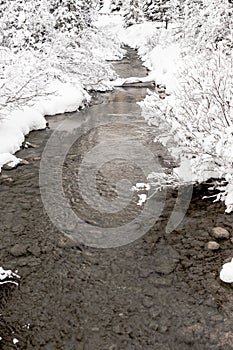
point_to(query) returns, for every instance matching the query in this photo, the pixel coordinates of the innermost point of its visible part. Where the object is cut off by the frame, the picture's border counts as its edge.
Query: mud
(162, 291)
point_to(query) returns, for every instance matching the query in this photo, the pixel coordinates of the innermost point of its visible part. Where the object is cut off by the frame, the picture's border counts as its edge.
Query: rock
(18, 250)
(166, 259)
(28, 261)
(27, 144)
(36, 158)
(35, 250)
(148, 302)
(9, 166)
(212, 245)
(220, 232)
(6, 178)
(23, 162)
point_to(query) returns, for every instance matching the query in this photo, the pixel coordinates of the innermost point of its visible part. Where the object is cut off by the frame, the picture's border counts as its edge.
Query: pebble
(18, 250)
(166, 259)
(147, 302)
(213, 245)
(220, 232)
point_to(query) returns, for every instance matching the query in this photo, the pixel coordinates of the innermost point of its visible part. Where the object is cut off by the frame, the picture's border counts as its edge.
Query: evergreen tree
(161, 10)
(25, 23)
(133, 12)
(71, 16)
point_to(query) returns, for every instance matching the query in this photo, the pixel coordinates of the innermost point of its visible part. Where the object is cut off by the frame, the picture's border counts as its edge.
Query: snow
(6, 276)
(15, 341)
(142, 199)
(106, 7)
(61, 98)
(140, 186)
(226, 274)
(9, 159)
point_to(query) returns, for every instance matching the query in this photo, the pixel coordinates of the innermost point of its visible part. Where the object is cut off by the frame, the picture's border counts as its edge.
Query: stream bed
(107, 281)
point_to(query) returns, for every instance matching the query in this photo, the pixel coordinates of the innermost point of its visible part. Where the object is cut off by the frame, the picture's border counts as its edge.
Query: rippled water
(103, 152)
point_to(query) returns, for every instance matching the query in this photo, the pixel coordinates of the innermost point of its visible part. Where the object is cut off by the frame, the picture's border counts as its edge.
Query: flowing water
(98, 271)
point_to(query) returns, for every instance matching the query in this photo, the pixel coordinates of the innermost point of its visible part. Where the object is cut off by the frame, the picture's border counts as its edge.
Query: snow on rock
(226, 274)
(9, 159)
(8, 276)
(142, 199)
(140, 186)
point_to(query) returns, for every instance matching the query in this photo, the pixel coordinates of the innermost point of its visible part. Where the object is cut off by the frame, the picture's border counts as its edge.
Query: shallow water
(160, 291)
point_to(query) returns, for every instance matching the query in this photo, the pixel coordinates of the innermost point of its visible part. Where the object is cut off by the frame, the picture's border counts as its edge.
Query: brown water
(158, 292)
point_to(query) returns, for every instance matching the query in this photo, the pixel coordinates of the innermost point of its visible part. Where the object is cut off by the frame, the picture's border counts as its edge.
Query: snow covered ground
(16, 124)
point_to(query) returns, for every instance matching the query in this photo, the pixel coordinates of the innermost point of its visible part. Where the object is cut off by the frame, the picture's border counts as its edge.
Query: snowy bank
(61, 98)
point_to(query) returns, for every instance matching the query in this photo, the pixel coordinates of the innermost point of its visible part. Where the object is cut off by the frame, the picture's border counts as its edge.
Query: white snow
(106, 7)
(9, 159)
(15, 341)
(140, 186)
(142, 199)
(61, 98)
(226, 274)
(6, 276)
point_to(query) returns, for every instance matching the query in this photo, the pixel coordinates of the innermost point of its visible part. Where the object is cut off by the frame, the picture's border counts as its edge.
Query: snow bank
(61, 98)
(137, 35)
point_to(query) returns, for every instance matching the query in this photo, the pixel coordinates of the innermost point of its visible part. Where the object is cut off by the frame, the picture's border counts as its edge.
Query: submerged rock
(212, 245)
(18, 250)
(220, 232)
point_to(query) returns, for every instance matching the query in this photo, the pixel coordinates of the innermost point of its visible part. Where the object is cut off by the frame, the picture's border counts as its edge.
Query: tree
(71, 16)
(133, 12)
(25, 24)
(160, 10)
(116, 5)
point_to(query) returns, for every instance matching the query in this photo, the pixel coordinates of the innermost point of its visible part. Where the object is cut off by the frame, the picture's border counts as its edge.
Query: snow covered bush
(45, 40)
(195, 121)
